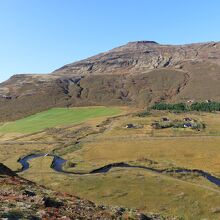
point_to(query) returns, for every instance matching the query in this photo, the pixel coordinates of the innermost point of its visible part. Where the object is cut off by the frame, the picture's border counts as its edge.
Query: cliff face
(137, 73)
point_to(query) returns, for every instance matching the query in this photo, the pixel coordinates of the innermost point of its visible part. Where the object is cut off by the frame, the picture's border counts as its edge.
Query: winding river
(58, 163)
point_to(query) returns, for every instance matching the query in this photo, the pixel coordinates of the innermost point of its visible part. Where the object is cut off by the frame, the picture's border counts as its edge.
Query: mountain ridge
(138, 73)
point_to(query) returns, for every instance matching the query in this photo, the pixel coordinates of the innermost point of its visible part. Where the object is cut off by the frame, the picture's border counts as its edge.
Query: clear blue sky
(38, 36)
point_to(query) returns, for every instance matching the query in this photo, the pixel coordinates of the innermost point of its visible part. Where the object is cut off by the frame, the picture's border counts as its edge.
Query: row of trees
(197, 106)
(206, 107)
(171, 107)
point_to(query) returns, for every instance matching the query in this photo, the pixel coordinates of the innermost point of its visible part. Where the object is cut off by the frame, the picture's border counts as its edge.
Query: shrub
(206, 107)
(143, 114)
(13, 214)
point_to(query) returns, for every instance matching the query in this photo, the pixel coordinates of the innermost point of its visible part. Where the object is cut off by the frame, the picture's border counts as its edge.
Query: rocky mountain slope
(138, 73)
(22, 199)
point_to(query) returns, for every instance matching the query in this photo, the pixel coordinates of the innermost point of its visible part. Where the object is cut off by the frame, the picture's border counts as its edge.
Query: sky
(39, 36)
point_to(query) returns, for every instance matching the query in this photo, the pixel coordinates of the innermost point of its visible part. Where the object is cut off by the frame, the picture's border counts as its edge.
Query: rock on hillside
(22, 199)
(138, 73)
(5, 171)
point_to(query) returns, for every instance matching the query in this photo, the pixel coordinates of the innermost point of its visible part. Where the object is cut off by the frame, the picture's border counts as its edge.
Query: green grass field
(57, 117)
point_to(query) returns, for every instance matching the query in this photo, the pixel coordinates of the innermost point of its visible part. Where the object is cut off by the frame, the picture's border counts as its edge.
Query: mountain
(22, 199)
(138, 73)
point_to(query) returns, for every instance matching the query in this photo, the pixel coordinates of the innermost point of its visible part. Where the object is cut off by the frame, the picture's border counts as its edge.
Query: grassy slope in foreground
(55, 117)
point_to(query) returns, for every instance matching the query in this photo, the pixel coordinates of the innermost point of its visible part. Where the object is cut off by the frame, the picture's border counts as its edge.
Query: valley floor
(99, 141)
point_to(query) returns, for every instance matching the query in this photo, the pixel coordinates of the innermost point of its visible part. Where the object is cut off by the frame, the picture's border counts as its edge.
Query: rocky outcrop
(144, 54)
(5, 171)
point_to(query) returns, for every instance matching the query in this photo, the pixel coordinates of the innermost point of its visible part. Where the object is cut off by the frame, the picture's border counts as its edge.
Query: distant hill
(138, 73)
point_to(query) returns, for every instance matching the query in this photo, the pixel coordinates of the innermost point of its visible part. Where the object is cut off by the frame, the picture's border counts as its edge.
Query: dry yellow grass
(153, 192)
(189, 198)
(11, 153)
(198, 150)
(212, 121)
(200, 153)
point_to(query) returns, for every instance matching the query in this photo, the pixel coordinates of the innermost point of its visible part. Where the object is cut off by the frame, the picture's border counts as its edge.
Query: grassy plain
(173, 147)
(28, 137)
(99, 141)
(134, 188)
